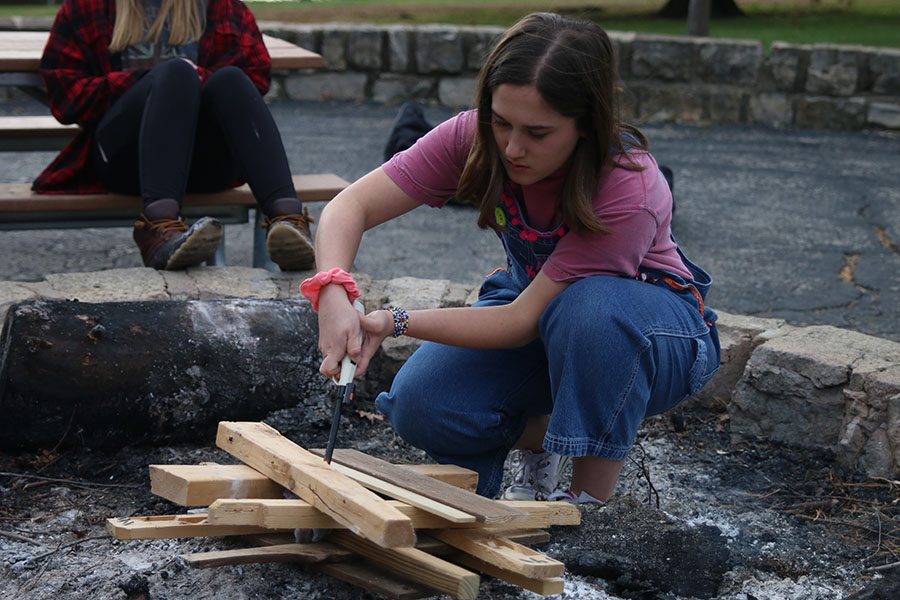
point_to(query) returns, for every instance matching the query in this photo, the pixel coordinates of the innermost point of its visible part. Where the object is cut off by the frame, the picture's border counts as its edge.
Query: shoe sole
(509, 494)
(199, 247)
(290, 249)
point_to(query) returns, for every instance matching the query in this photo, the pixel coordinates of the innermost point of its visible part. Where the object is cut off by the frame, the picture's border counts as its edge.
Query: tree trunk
(698, 18)
(135, 372)
(678, 9)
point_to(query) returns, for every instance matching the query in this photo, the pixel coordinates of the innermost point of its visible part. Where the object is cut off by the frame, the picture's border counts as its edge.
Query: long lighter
(345, 388)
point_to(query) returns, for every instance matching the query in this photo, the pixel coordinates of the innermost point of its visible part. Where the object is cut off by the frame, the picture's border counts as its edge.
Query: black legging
(167, 135)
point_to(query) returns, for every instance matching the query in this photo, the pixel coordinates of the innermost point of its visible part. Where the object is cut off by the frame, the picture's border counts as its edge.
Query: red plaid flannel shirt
(83, 79)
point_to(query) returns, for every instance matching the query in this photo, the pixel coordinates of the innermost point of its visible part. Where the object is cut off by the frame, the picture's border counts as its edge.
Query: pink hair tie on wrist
(310, 288)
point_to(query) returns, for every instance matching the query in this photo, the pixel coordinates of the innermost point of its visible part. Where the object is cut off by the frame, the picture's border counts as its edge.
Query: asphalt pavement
(802, 225)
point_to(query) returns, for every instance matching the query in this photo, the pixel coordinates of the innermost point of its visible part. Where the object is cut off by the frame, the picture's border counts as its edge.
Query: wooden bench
(34, 133)
(20, 57)
(20, 208)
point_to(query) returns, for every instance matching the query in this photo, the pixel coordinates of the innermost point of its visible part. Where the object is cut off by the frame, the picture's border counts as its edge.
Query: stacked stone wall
(666, 78)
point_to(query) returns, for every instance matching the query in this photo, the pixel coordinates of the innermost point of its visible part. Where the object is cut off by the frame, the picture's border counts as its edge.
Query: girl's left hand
(376, 326)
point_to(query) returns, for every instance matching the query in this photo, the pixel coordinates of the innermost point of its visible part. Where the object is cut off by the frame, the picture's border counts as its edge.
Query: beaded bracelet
(401, 320)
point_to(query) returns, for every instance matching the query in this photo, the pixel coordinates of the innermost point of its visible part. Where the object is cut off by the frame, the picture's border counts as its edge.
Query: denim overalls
(611, 351)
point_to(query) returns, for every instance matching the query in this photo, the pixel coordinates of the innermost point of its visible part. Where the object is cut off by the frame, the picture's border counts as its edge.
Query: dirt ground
(694, 517)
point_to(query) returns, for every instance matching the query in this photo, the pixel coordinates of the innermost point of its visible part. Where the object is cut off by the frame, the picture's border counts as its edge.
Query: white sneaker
(570, 497)
(535, 474)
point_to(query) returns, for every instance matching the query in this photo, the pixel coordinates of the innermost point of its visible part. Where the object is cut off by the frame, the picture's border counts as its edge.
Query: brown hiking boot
(290, 242)
(168, 244)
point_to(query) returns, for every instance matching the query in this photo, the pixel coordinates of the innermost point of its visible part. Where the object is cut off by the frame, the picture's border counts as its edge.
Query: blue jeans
(611, 351)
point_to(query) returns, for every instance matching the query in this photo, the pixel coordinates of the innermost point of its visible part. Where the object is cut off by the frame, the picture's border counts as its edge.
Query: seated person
(168, 94)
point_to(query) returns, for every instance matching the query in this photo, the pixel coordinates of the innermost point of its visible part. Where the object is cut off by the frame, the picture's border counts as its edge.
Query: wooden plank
(529, 537)
(502, 553)
(35, 126)
(303, 554)
(313, 480)
(425, 543)
(270, 538)
(291, 514)
(322, 557)
(456, 476)
(18, 197)
(251, 511)
(544, 587)
(287, 56)
(279, 513)
(22, 50)
(544, 514)
(373, 580)
(410, 497)
(174, 526)
(414, 564)
(484, 509)
(200, 485)
(433, 546)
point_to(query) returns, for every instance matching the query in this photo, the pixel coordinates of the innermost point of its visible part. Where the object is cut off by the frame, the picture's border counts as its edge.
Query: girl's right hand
(339, 330)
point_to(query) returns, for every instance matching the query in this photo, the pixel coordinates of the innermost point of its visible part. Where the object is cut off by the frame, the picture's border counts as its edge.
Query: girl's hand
(339, 330)
(377, 325)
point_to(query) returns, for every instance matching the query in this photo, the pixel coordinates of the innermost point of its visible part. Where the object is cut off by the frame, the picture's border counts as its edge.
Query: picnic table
(20, 57)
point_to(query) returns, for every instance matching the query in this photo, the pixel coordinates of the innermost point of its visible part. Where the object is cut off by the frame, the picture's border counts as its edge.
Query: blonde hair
(185, 23)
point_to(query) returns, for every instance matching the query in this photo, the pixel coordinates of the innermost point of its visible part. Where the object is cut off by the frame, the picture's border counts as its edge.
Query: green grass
(768, 28)
(864, 22)
(26, 10)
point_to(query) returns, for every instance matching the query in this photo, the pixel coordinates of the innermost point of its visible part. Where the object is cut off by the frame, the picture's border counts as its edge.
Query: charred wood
(147, 372)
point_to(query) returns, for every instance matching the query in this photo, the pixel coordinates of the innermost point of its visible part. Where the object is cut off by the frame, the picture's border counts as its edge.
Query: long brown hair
(573, 66)
(185, 23)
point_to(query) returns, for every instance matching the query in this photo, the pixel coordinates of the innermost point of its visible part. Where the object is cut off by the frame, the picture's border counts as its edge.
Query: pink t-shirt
(635, 205)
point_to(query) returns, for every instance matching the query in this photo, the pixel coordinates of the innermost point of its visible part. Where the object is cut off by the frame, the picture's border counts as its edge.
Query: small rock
(136, 588)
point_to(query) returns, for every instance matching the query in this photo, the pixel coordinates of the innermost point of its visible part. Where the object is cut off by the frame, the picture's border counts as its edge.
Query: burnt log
(151, 372)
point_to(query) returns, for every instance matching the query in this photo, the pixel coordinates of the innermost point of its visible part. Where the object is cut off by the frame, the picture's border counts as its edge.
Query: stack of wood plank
(403, 531)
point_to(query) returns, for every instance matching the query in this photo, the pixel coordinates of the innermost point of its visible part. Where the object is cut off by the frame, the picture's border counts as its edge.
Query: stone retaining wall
(667, 78)
(819, 386)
